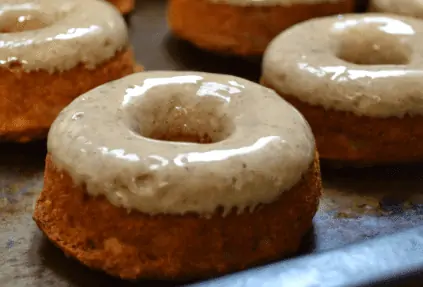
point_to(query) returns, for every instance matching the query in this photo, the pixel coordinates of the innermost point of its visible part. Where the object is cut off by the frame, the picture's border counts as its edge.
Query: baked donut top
(273, 2)
(368, 64)
(412, 8)
(57, 35)
(179, 142)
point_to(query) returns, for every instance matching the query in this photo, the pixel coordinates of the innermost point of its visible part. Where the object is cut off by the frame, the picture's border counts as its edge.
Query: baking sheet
(358, 204)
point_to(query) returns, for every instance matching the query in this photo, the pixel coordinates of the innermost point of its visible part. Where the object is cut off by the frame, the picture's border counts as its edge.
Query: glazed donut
(52, 51)
(195, 158)
(243, 27)
(413, 8)
(357, 80)
(124, 6)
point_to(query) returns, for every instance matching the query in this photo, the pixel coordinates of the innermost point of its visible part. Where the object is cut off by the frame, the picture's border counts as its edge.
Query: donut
(412, 8)
(243, 27)
(124, 6)
(52, 51)
(357, 80)
(178, 175)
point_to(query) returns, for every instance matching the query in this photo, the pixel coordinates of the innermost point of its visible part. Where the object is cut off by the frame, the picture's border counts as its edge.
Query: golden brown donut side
(344, 136)
(30, 101)
(137, 245)
(124, 6)
(243, 30)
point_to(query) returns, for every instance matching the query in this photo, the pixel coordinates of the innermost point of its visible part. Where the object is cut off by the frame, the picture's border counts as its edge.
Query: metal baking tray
(365, 233)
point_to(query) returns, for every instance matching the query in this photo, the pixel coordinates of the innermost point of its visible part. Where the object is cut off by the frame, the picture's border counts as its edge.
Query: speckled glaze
(273, 2)
(412, 8)
(57, 35)
(381, 75)
(261, 145)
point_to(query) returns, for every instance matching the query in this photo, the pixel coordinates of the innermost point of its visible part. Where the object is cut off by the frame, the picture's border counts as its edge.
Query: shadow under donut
(21, 168)
(361, 5)
(22, 154)
(391, 193)
(308, 243)
(188, 57)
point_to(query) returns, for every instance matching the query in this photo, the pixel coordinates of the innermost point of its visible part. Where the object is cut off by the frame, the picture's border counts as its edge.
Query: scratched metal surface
(358, 203)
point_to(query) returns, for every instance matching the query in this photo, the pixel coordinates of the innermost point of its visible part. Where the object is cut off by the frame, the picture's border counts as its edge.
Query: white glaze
(302, 62)
(74, 32)
(412, 8)
(265, 148)
(274, 2)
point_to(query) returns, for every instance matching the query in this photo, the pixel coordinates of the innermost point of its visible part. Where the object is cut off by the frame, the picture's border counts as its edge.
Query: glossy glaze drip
(273, 2)
(57, 35)
(319, 62)
(412, 8)
(259, 145)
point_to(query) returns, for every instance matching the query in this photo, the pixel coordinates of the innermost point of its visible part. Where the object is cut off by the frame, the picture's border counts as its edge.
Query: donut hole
(183, 118)
(21, 21)
(367, 44)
